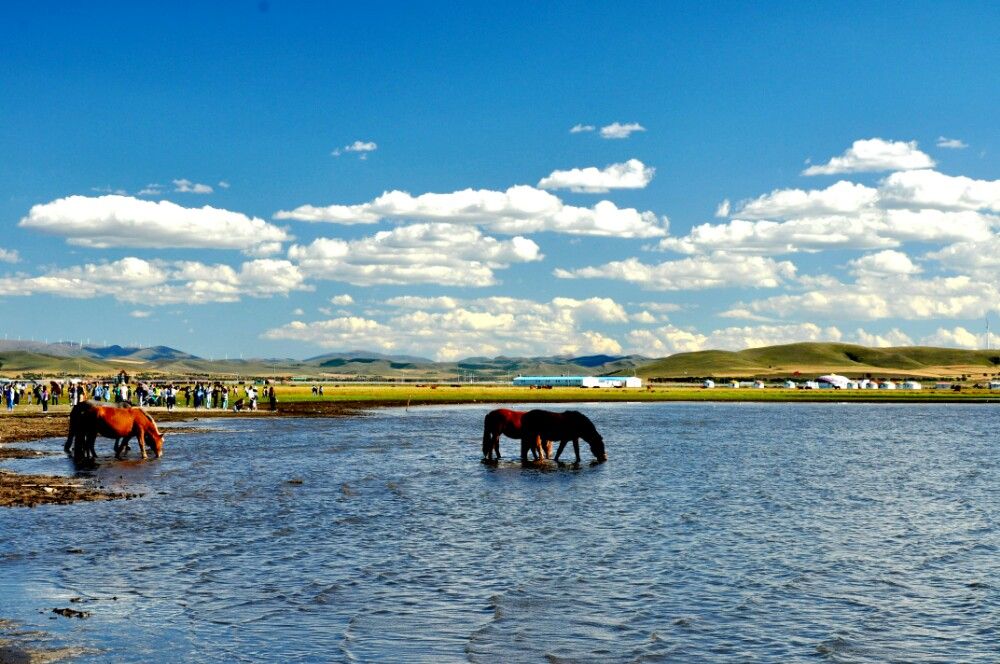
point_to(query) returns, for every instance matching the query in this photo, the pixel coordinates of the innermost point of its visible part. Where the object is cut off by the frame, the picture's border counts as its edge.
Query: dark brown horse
(538, 425)
(507, 422)
(90, 419)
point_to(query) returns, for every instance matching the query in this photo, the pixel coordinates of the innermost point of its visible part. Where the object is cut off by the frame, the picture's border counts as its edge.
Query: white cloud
(671, 339)
(152, 283)
(632, 174)
(930, 189)
(342, 300)
(719, 270)
(894, 337)
(885, 263)
(910, 206)
(579, 128)
(298, 311)
(839, 198)
(185, 186)
(519, 209)
(644, 318)
(223, 184)
(417, 302)
(486, 326)
(723, 209)
(874, 297)
(618, 130)
(9, 256)
(140, 313)
(981, 257)
(420, 253)
(874, 154)
(152, 189)
(123, 221)
(360, 147)
(958, 337)
(951, 143)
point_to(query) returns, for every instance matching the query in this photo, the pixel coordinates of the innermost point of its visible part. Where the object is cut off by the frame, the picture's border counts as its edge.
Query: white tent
(790, 384)
(910, 385)
(887, 385)
(835, 381)
(708, 384)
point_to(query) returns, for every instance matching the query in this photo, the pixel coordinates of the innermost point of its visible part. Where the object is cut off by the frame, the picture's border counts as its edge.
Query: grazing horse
(537, 425)
(507, 422)
(90, 419)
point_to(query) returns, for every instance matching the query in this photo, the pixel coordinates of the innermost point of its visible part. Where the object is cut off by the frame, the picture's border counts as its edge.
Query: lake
(714, 533)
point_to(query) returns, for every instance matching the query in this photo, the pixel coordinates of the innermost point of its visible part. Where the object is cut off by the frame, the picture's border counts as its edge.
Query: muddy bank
(18, 490)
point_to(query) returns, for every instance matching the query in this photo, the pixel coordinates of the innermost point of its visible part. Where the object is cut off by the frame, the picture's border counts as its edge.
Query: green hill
(809, 357)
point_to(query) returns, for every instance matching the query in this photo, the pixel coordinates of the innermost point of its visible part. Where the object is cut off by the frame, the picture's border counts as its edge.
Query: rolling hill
(810, 357)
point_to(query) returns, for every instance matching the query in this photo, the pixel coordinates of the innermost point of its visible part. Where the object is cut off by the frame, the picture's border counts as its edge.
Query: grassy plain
(414, 395)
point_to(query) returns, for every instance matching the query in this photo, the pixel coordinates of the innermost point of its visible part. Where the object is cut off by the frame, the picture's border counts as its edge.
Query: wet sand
(17, 490)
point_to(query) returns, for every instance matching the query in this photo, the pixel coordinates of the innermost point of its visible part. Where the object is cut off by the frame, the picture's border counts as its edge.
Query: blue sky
(297, 117)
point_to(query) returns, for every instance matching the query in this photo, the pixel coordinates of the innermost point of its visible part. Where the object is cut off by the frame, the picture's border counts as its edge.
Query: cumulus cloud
(889, 339)
(519, 209)
(908, 206)
(619, 130)
(123, 221)
(671, 339)
(151, 189)
(719, 270)
(957, 337)
(723, 209)
(632, 174)
(930, 189)
(362, 148)
(874, 154)
(580, 128)
(420, 253)
(186, 186)
(153, 283)
(874, 297)
(886, 263)
(9, 256)
(486, 326)
(951, 143)
(342, 300)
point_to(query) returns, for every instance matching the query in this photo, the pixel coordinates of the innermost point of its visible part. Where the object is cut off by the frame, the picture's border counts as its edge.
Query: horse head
(589, 433)
(150, 429)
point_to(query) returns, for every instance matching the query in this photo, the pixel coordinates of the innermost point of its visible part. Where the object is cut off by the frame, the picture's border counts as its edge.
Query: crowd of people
(208, 395)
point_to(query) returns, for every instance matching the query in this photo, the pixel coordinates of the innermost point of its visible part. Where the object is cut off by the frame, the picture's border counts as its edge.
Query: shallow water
(716, 532)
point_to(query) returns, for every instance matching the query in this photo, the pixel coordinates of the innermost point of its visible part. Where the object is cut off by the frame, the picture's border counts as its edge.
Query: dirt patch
(31, 490)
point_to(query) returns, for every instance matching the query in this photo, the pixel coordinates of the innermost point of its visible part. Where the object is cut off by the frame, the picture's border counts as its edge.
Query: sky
(284, 179)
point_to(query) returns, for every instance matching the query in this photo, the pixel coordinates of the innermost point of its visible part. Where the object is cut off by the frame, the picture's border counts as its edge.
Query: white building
(577, 381)
(708, 384)
(995, 384)
(887, 385)
(758, 385)
(910, 385)
(790, 385)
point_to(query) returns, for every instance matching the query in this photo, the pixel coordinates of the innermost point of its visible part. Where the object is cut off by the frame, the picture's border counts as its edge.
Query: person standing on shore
(45, 398)
(273, 399)
(225, 398)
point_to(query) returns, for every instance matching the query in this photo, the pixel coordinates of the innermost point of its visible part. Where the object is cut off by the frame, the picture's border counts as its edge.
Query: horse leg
(524, 448)
(496, 444)
(142, 443)
(487, 443)
(548, 448)
(562, 446)
(576, 448)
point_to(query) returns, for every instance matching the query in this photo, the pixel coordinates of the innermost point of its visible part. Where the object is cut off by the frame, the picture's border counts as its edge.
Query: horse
(507, 422)
(90, 419)
(537, 425)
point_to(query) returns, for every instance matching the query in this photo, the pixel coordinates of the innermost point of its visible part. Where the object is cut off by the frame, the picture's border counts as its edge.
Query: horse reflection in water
(571, 425)
(90, 419)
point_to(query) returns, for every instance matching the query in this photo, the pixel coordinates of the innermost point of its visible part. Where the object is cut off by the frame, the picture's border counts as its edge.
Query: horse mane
(151, 420)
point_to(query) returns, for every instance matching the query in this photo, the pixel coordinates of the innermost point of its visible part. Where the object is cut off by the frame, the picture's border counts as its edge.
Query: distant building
(577, 381)
(834, 381)
(790, 385)
(708, 384)
(910, 385)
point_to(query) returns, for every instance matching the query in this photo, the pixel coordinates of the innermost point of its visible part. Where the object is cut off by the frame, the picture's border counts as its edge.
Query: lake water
(715, 533)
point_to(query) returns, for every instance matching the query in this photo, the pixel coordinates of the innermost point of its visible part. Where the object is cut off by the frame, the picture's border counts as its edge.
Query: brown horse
(90, 419)
(507, 422)
(537, 425)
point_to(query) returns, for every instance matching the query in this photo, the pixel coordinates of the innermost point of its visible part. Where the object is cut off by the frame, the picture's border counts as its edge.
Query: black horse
(539, 425)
